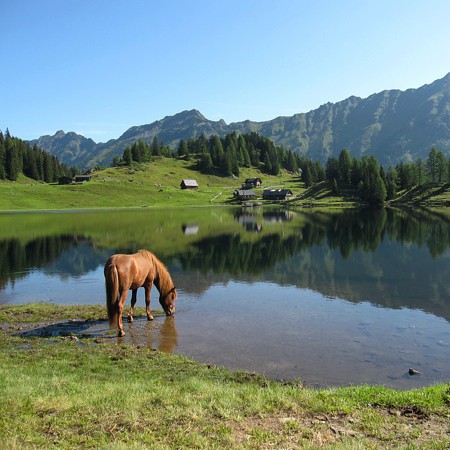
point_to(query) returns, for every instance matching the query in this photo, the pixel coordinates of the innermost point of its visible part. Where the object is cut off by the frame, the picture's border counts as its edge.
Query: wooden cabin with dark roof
(82, 178)
(252, 183)
(277, 194)
(244, 194)
(189, 184)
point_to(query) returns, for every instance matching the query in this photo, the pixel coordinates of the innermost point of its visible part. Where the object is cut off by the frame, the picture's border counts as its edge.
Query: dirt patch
(324, 430)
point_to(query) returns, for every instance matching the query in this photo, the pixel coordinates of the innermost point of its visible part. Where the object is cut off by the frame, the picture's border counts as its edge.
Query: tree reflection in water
(393, 258)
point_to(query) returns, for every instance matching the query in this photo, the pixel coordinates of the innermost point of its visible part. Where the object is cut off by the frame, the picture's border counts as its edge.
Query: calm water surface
(332, 299)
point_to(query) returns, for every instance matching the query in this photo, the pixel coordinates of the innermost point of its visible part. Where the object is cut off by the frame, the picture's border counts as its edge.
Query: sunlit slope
(145, 185)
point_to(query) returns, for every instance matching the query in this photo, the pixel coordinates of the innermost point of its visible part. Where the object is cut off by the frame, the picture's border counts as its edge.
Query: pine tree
(127, 156)
(345, 166)
(267, 162)
(202, 144)
(373, 190)
(291, 163)
(318, 171)
(155, 148)
(441, 167)
(421, 169)
(182, 149)
(432, 165)
(216, 150)
(307, 176)
(391, 183)
(2, 157)
(232, 165)
(356, 173)
(244, 157)
(205, 163)
(13, 160)
(29, 163)
(48, 168)
(332, 169)
(334, 187)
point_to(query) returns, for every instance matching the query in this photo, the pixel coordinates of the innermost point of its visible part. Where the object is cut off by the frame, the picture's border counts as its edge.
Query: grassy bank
(147, 185)
(79, 392)
(157, 184)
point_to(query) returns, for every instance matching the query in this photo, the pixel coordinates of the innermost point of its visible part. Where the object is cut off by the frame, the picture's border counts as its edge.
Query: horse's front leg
(123, 297)
(133, 302)
(148, 288)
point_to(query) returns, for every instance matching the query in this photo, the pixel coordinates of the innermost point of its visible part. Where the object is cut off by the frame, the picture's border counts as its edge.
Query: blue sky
(98, 67)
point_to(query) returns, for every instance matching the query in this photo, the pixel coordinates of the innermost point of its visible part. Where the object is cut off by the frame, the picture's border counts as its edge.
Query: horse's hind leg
(123, 297)
(133, 302)
(148, 288)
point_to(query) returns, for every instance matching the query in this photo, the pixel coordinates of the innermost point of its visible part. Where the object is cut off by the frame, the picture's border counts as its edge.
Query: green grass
(85, 393)
(147, 185)
(431, 194)
(157, 184)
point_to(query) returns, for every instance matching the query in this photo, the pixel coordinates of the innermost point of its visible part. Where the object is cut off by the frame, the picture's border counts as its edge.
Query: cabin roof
(191, 183)
(244, 192)
(276, 192)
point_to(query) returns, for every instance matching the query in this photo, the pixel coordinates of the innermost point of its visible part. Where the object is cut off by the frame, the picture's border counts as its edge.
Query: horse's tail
(112, 293)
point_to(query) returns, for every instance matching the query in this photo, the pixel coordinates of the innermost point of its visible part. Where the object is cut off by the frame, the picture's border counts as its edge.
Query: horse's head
(168, 301)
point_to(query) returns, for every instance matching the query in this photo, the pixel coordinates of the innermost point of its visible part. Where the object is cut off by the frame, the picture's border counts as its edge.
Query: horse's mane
(163, 280)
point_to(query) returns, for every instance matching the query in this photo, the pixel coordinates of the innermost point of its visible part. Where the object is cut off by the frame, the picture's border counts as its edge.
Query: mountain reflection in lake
(333, 299)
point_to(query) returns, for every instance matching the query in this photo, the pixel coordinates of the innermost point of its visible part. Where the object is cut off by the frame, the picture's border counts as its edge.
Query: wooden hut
(244, 194)
(252, 183)
(82, 178)
(277, 194)
(189, 184)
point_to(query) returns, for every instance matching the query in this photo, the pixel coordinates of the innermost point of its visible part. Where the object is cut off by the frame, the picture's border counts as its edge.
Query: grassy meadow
(154, 184)
(157, 184)
(79, 392)
(146, 185)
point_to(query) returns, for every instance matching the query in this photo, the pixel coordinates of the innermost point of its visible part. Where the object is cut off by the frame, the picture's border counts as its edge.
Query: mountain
(70, 148)
(393, 125)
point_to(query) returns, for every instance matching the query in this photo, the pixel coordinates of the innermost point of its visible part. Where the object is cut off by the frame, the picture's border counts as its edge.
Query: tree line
(16, 157)
(374, 184)
(224, 156)
(221, 156)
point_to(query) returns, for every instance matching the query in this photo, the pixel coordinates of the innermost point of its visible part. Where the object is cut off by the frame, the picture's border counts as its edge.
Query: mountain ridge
(392, 125)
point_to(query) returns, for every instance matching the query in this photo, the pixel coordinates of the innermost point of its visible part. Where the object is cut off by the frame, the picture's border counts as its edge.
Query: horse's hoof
(121, 333)
(150, 317)
(130, 319)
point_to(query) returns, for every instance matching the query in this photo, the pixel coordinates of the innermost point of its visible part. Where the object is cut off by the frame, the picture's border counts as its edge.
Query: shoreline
(83, 392)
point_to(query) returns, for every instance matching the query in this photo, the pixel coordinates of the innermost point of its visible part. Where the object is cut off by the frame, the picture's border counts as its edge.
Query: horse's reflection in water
(154, 335)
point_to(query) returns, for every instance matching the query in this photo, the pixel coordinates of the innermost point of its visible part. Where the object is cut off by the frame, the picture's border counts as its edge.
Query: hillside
(145, 185)
(157, 184)
(393, 125)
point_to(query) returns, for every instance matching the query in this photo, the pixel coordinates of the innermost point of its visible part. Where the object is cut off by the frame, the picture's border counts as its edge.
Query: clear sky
(98, 67)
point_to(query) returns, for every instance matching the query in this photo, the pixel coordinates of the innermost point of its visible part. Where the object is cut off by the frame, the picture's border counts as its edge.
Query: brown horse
(125, 272)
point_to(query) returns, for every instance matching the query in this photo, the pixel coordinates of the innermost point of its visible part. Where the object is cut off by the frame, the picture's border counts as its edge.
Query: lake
(330, 298)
